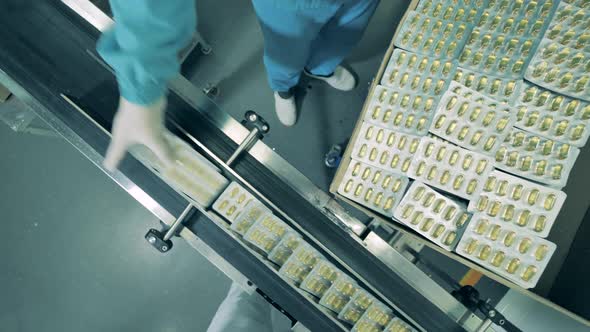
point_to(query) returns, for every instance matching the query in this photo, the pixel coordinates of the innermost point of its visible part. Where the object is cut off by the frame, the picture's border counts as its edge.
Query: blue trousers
(316, 39)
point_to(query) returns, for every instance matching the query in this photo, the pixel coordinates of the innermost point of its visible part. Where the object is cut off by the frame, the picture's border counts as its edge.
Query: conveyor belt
(44, 51)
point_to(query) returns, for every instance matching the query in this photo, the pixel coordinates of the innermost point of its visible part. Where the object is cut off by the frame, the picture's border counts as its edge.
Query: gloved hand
(138, 124)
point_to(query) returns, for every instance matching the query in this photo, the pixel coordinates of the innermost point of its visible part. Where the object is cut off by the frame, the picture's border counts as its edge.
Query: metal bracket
(161, 240)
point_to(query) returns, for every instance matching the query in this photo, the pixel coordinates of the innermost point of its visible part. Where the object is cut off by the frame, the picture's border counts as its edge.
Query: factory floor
(74, 257)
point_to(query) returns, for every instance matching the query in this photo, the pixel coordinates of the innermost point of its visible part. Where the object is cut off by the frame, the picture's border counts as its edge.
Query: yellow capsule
(463, 133)
(549, 202)
(467, 161)
(546, 123)
(451, 103)
(494, 208)
(428, 199)
(525, 245)
(363, 151)
(402, 142)
(414, 145)
(356, 169)
(421, 123)
(471, 246)
(387, 115)
(490, 184)
(485, 252)
(476, 137)
(498, 258)
(366, 173)
(417, 102)
(561, 127)
(418, 193)
(445, 177)
(475, 114)
(450, 213)
(540, 223)
(578, 132)
(451, 127)
(231, 210)
(508, 213)
(373, 154)
(533, 143)
(439, 205)
(509, 238)
(518, 139)
(376, 177)
(526, 163)
(453, 158)
(348, 186)
(556, 171)
(540, 168)
(441, 153)
(398, 119)
(482, 226)
(495, 232)
(427, 225)
(458, 182)
(406, 165)
(513, 265)
(502, 188)
(417, 217)
(541, 252)
(429, 149)
(378, 199)
(369, 133)
(482, 203)
(529, 273)
(462, 220)
(432, 173)
(396, 185)
(384, 157)
(359, 189)
(488, 118)
(241, 199)
(386, 182)
(406, 76)
(512, 159)
(489, 144)
(421, 168)
(523, 218)
(389, 203)
(450, 238)
(533, 196)
(369, 194)
(564, 151)
(471, 187)
(517, 192)
(410, 121)
(376, 112)
(394, 161)
(438, 230)
(390, 139)
(429, 104)
(440, 121)
(380, 135)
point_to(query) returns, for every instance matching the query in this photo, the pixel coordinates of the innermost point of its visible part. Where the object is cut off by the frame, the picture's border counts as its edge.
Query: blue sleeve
(143, 45)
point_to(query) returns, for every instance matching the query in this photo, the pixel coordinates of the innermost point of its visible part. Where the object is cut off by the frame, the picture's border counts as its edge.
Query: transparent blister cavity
(578, 3)
(285, 248)
(266, 232)
(431, 36)
(477, 123)
(434, 216)
(385, 148)
(554, 116)
(455, 11)
(375, 318)
(450, 168)
(561, 69)
(570, 27)
(398, 325)
(523, 8)
(514, 200)
(405, 112)
(248, 217)
(320, 278)
(338, 295)
(502, 89)
(497, 53)
(192, 174)
(417, 73)
(373, 187)
(356, 307)
(232, 201)
(300, 263)
(506, 250)
(536, 158)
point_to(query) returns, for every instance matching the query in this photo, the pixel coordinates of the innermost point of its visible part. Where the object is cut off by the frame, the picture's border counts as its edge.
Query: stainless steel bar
(178, 223)
(243, 146)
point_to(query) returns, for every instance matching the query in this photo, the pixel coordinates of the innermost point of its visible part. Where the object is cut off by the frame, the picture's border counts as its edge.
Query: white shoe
(286, 109)
(341, 79)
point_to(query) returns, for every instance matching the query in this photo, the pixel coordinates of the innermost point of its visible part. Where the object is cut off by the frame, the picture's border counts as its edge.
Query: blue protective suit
(142, 46)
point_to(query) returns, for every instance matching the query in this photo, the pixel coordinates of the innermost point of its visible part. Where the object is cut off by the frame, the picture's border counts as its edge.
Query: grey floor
(73, 254)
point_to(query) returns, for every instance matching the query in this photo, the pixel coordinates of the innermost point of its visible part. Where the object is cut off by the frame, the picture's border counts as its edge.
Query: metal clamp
(161, 240)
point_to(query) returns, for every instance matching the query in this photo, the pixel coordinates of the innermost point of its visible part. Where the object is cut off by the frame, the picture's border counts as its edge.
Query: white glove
(138, 124)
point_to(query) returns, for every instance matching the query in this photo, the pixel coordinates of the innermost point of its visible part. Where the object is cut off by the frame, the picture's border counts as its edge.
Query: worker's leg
(339, 36)
(288, 36)
(240, 311)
